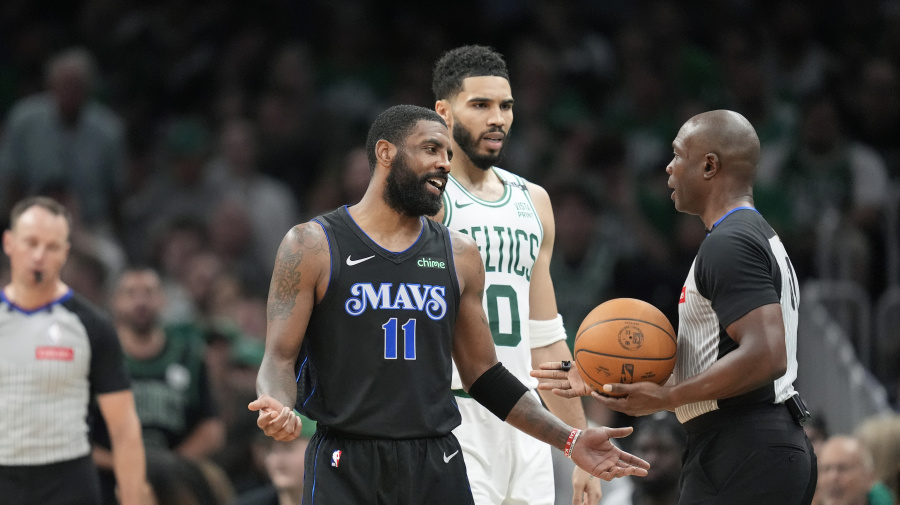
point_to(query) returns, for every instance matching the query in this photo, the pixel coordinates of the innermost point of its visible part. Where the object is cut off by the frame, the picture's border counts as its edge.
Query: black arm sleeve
(498, 390)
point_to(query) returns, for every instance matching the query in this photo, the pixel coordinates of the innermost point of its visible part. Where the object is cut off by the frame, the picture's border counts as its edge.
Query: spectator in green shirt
(847, 474)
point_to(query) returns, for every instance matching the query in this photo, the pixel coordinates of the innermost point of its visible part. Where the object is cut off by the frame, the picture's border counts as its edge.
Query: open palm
(595, 453)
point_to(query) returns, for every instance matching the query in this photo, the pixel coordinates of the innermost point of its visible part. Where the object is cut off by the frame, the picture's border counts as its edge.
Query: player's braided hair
(466, 61)
(394, 125)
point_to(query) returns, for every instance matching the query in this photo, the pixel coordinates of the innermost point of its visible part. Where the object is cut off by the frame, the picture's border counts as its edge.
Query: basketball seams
(580, 333)
(591, 380)
(596, 353)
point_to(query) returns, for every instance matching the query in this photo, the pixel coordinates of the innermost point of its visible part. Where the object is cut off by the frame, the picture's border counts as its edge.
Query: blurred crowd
(188, 137)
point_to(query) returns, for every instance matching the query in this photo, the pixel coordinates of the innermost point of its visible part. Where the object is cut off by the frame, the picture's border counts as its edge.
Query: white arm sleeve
(544, 333)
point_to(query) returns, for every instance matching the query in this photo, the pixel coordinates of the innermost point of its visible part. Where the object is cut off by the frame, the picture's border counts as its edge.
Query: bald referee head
(714, 162)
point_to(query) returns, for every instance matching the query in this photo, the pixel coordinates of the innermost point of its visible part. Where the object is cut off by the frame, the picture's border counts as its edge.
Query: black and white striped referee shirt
(52, 359)
(741, 265)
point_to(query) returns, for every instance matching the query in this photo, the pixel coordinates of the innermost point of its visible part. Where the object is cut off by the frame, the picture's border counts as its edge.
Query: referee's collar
(746, 207)
(12, 305)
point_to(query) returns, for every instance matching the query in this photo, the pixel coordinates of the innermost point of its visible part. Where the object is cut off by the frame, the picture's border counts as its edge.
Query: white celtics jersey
(509, 234)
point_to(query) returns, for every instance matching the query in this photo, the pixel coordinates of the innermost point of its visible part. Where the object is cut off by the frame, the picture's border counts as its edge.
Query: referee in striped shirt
(732, 387)
(56, 352)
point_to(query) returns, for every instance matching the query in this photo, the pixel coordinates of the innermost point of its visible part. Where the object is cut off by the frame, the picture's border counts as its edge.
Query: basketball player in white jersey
(511, 220)
(732, 387)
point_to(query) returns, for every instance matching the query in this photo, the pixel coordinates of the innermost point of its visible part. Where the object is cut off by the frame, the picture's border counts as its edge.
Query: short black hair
(44, 202)
(395, 124)
(466, 61)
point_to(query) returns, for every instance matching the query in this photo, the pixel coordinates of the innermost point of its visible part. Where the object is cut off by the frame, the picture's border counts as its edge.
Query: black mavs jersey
(375, 361)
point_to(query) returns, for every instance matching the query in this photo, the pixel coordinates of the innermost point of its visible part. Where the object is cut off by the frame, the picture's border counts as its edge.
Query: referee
(732, 387)
(56, 351)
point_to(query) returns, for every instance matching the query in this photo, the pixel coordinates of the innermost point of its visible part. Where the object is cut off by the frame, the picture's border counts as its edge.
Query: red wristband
(570, 443)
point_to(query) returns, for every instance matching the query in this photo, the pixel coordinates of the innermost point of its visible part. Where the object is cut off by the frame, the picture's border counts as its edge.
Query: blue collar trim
(68, 294)
(728, 214)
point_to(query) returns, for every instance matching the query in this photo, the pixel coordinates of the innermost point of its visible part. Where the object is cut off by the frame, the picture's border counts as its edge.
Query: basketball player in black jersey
(366, 307)
(732, 387)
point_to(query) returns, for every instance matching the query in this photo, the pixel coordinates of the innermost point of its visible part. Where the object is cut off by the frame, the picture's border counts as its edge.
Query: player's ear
(711, 167)
(7, 241)
(442, 107)
(385, 152)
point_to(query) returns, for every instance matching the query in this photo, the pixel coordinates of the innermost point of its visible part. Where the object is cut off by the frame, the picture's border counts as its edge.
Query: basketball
(625, 340)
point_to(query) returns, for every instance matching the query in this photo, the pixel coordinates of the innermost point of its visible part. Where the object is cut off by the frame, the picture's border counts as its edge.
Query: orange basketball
(625, 340)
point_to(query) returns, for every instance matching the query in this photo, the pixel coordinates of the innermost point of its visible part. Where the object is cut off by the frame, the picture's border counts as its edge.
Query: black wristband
(498, 390)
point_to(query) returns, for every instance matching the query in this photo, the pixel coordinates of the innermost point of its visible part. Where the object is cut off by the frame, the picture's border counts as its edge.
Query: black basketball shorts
(359, 471)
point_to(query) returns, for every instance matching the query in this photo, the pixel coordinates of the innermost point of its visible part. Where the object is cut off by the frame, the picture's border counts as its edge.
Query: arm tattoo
(309, 237)
(457, 247)
(285, 284)
(286, 278)
(544, 426)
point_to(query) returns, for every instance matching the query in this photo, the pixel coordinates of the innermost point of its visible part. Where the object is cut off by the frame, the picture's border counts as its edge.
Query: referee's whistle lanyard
(728, 214)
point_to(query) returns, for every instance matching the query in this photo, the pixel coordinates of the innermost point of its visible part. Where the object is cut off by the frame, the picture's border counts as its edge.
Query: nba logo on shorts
(336, 458)
(683, 296)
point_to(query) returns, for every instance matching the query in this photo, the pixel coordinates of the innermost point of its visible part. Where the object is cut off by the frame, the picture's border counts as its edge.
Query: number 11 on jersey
(390, 339)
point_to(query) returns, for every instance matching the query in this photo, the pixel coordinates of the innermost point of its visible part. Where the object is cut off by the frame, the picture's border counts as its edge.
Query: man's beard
(469, 146)
(143, 327)
(407, 193)
(140, 320)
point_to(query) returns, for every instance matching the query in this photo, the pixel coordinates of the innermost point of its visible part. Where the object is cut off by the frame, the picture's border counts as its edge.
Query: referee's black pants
(71, 482)
(747, 455)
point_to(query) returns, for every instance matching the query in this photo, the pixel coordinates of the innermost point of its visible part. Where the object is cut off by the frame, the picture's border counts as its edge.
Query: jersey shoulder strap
(328, 222)
(510, 178)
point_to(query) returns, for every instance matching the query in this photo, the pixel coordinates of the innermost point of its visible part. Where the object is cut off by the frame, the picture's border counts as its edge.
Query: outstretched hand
(595, 453)
(275, 419)
(562, 378)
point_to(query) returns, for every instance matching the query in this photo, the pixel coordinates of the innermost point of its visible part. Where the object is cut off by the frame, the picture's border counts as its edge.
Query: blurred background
(190, 136)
